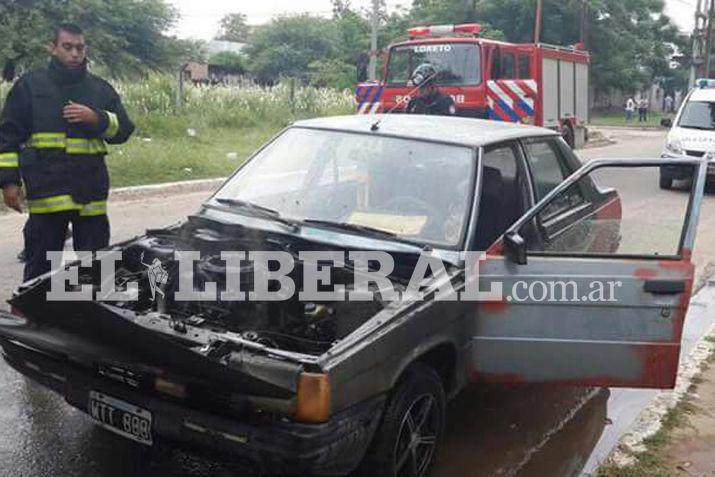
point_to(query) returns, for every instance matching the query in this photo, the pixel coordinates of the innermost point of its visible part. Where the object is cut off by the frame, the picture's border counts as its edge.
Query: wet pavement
(521, 431)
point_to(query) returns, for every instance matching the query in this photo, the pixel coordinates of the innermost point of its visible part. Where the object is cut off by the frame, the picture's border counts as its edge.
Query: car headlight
(709, 156)
(674, 146)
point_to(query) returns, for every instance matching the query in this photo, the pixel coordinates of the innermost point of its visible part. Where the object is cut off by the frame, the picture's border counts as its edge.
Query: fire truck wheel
(569, 136)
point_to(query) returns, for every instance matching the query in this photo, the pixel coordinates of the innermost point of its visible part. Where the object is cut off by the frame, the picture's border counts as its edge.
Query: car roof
(450, 129)
(705, 94)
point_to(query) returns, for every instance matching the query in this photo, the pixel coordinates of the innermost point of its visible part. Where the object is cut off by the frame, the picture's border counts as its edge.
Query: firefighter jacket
(61, 164)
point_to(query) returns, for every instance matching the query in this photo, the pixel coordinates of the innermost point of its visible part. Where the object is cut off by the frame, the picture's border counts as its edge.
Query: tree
(353, 31)
(287, 45)
(332, 73)
(631, 42)
(233, 27)
(234, 62)
(124, 36)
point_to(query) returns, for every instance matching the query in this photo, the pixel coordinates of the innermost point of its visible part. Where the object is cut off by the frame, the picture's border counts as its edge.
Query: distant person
(53, 129)
(630, 109)
(429, 99)
(643, 110)
(668, 103)
(362, 63)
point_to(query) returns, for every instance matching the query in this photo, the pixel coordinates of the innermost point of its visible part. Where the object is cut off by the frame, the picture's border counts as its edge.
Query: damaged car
(357, 379)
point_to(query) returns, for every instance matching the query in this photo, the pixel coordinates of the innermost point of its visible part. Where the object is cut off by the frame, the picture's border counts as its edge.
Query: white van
(692, 132)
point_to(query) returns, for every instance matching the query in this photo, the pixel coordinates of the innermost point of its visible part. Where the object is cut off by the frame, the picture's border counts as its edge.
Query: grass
(162, 159)
(195, 141)
(619, 119)
(653, 462)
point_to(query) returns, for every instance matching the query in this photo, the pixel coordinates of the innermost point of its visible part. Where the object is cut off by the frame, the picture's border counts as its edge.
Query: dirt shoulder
(685, 444)
(691, 450)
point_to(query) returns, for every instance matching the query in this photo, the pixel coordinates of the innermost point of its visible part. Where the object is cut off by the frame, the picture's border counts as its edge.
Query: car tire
(411, 429)
(665, 183)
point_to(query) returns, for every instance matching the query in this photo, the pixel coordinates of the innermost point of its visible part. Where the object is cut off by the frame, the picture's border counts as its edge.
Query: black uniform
(61, 164)
(434, 102)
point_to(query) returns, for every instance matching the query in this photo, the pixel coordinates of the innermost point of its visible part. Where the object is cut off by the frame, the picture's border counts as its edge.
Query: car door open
(595, 281)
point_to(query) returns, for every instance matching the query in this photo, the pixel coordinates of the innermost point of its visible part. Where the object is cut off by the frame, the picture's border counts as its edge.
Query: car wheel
(569, 136)
(666, 182)
(406, 443)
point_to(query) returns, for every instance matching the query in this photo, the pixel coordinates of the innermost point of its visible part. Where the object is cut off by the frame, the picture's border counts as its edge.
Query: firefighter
(54, 127)
(430, 100)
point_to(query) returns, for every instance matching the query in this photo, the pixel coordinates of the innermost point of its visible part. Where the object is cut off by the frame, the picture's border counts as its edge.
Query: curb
(628, 128)
(599, 143)
(598, 139)
(169, 188)
(122, 194)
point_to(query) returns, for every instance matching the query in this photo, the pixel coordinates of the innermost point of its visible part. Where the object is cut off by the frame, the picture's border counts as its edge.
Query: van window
(698, 115)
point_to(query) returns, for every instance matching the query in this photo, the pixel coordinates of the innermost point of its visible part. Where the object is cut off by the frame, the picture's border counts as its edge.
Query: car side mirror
(515, 248)
(666, 122)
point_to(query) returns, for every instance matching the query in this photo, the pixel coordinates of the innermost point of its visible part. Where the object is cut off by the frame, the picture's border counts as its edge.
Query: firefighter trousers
(47, 232)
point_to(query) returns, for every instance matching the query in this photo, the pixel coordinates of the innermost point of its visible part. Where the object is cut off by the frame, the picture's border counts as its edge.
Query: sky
(200, 17)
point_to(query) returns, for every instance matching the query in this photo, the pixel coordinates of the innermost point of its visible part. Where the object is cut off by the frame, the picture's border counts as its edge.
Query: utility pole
(708, 39)
(537, 26)
(584, 24)
(375, 25)
(698, 57)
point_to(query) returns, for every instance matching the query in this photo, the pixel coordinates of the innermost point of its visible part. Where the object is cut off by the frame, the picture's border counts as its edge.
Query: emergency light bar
(705, 83)
(443, 30)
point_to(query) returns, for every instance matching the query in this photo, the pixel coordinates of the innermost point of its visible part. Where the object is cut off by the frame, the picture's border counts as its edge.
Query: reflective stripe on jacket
(61, 163)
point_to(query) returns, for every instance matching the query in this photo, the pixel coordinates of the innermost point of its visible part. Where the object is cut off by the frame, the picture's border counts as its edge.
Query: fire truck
(537, 84)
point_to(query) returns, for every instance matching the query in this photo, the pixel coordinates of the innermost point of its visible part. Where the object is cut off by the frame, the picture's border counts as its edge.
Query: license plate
(121, 417)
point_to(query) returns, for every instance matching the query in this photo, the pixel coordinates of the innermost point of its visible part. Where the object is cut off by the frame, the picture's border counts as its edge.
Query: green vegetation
(125, 36)
(653, 462)
(234, 27)
(215, 131)
(633, 43)
(619, 119)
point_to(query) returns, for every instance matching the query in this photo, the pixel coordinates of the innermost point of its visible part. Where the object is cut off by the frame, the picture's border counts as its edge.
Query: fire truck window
(524, 67)
(456, 63)
(507, 66)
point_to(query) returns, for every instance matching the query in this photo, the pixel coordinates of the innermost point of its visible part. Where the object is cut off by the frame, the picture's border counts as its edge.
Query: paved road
(524, 431)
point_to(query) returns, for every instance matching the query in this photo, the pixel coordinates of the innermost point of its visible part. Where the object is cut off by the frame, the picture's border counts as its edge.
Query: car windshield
(456, 63)
(418, 191)
(698, 115)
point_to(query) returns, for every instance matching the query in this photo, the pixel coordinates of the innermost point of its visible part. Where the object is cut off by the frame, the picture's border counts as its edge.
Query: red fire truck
(536, 84)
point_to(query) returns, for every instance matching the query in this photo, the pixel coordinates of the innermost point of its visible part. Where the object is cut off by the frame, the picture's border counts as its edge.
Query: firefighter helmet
(423, 75)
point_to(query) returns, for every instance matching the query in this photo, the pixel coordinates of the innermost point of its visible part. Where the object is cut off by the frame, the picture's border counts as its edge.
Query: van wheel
(569, 136)
(665, 182)
(406, 443)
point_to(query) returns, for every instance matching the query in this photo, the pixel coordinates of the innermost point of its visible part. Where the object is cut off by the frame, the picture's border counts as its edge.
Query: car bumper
(272, 446)
(676, 172)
